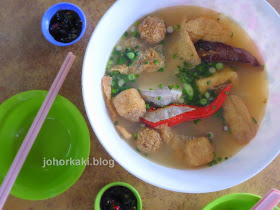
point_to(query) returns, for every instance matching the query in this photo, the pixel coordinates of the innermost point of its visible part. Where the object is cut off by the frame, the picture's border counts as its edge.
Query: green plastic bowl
(64, 135)
(235, 201)
(99, 195)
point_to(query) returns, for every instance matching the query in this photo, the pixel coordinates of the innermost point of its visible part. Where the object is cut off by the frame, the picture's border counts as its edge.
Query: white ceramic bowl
(261, 22)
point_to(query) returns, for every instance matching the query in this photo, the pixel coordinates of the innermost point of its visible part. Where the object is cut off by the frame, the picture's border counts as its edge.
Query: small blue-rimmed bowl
(51, 12)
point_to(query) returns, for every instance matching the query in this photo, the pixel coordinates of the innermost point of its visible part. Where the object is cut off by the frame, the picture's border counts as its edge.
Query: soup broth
(251, 87)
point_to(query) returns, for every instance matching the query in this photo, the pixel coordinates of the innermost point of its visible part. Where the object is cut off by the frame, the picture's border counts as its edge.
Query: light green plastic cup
(235, 201)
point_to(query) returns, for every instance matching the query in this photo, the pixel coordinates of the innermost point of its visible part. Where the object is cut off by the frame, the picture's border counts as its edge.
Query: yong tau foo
(186, 87)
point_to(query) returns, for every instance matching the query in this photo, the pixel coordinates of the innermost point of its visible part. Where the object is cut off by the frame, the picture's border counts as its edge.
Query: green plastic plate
(64, 136)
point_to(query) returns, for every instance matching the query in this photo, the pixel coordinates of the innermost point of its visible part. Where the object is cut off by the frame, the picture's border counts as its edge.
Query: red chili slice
(194, 113)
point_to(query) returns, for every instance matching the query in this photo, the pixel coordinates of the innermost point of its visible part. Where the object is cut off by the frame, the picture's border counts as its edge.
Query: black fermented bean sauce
(65, 26)
(118, 198)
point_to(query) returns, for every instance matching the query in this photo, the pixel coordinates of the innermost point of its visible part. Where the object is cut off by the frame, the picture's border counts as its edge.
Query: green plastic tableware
(64, 136)
(235, 201)
(106, 187)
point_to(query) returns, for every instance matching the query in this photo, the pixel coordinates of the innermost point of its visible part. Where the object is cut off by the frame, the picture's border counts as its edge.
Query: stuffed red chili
(165, 116)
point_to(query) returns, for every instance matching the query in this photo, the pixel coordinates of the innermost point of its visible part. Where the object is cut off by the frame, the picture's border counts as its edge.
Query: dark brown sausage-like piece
(219, 52)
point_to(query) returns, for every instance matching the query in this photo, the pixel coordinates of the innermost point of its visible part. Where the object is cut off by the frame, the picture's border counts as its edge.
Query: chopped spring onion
(121, 82)
(161, 69)
(136, 34)
(196, 121)
(215, 154)
(131, 77)
(226, 128)
(160, 86)
(125, 34)
(219, 66)
(114, 90)
(142, 125)
(255, 121)
(159, 98)
(203, 101)
(175, 56)
(156, 62)
(110, 62)
(118, 48)
(130, 55)
(170, 29)
(135, 136)
(207, 95)
(147, 106)
(181, 100)
(116, 122)
(189, 90)
(133, 28)
(210, 164)
(212, 70)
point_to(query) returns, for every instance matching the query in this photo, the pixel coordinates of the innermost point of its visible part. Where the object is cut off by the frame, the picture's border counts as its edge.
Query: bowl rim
(126, 167)
(57, 7)
(106, 187)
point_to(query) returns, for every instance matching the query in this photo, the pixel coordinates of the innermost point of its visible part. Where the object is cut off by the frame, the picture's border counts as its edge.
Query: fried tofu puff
(239, 119)
(207, 29)
(106, 83)
(130, 105)
(152, 29)
(186, 48)
(148, 140)
(219, 78)
(198, 151)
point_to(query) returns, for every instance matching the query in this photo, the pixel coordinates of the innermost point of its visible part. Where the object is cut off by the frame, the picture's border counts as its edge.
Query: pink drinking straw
(34, 130)
(269, 201)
